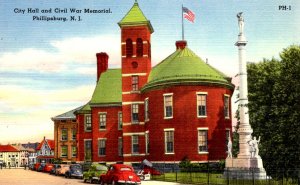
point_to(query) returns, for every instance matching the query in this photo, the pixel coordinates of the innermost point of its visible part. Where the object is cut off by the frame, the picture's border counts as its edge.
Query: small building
(23, 154)
(45, 151)
(10, 155)
(65, 132)
(31, 148)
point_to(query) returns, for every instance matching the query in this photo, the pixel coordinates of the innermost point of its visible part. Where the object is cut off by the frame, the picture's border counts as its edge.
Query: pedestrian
(25, 166)
(1, 166)
(9, 165)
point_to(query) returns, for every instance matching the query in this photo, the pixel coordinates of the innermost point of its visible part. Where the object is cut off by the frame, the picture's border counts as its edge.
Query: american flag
(188, 14)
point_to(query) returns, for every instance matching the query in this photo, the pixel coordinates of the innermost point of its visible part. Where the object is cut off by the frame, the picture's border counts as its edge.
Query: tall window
(120, 120)
(102, 121)
(64, 134)
(168, 103)
(135, 113)
(147, 142)
(129, 48)
(120, 146)
(88, 123)
(101, 146)
(135, 82)
(226, 106)
(88, 150)
(202, 141)
(201, 105)
(74, 134)
(146, 109)
(74, 151)
(64, 151)
(139, 47)
(135, 144)
(169, 141)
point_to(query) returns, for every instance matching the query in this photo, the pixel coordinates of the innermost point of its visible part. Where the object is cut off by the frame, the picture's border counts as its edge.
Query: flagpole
(182, 22)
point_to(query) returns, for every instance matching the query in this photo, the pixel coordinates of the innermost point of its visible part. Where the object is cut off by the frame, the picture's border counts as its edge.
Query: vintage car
(94, 172)
(36, 166)
(120, 174)
(48, 167)
(75, 170)
(41, 167)
(61, 169)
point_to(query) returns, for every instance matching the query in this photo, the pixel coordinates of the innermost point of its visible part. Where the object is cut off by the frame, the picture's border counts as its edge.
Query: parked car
(75, 170)
(48, 167)
(36, 166)
(53, 170)
(94, 172)
(31, 166)
(41, 167)
(61, 169)
(120, 174)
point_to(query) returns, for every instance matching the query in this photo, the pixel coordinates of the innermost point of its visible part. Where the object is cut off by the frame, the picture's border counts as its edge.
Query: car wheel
(114, 182)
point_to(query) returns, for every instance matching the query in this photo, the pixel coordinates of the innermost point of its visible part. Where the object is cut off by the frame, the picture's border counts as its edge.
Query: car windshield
(76, 167)
(125, 169)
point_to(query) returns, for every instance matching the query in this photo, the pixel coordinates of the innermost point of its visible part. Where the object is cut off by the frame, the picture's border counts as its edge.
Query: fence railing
(222, 177)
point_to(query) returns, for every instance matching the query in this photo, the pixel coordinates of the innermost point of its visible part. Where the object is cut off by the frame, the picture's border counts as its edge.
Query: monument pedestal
(244, 168)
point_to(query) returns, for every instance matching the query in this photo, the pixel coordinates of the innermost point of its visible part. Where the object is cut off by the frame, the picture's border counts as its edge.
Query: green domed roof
(184, 66)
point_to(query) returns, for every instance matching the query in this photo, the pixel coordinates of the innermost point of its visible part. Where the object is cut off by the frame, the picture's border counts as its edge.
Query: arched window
(139, 47)
(129, 47)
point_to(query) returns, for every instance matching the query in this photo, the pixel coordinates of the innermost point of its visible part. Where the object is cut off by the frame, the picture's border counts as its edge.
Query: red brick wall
(185, 123)
(81, 135)
(111, 133)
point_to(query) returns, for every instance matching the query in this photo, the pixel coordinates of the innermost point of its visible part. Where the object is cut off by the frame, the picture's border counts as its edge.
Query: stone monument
(248, 163)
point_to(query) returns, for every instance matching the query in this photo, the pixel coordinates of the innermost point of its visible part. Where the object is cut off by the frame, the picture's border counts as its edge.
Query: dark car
(75, 170)
(120, 174)
(94, 172)
(41, 167)
(53, 170)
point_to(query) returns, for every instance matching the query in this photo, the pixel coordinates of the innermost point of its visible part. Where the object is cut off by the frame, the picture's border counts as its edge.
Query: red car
(36, 166)
(120, 174)
(47, 168)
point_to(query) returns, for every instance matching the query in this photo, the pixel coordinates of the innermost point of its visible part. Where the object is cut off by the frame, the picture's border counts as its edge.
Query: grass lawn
(215, 179)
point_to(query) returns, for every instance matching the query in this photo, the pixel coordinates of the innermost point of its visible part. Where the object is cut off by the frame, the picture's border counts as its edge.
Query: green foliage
(57, 161)
(274, 106)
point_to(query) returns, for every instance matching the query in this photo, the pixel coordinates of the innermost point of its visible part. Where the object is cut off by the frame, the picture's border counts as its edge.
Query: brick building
(65, 133)
(179, 108)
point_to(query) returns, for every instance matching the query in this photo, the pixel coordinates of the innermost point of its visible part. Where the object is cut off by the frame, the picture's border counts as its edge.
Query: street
(28, 177)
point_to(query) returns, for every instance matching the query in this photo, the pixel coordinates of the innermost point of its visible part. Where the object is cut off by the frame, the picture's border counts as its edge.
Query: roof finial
(135, 1)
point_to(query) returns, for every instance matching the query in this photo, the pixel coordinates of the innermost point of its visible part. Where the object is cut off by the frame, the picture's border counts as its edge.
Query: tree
(274, 107)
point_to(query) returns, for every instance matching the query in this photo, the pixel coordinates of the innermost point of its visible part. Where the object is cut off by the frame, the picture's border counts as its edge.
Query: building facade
(10, 156)
(178, 109)
(45, 151)
(65, 133)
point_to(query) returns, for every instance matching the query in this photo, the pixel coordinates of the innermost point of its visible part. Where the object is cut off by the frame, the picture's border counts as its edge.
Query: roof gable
(109, 88)
(48, 142)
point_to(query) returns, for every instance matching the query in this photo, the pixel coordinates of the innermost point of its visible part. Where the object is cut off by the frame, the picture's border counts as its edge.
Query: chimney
(102, 63)
(180, 44)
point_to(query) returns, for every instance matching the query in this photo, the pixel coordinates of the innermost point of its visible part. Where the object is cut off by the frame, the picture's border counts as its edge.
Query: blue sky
(47, 68)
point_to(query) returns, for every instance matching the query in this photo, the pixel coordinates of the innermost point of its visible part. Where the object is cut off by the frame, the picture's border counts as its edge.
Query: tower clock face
(134, 64)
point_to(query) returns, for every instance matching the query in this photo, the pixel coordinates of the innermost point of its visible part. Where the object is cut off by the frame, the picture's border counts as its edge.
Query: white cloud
(66, 52)
(20, 98)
